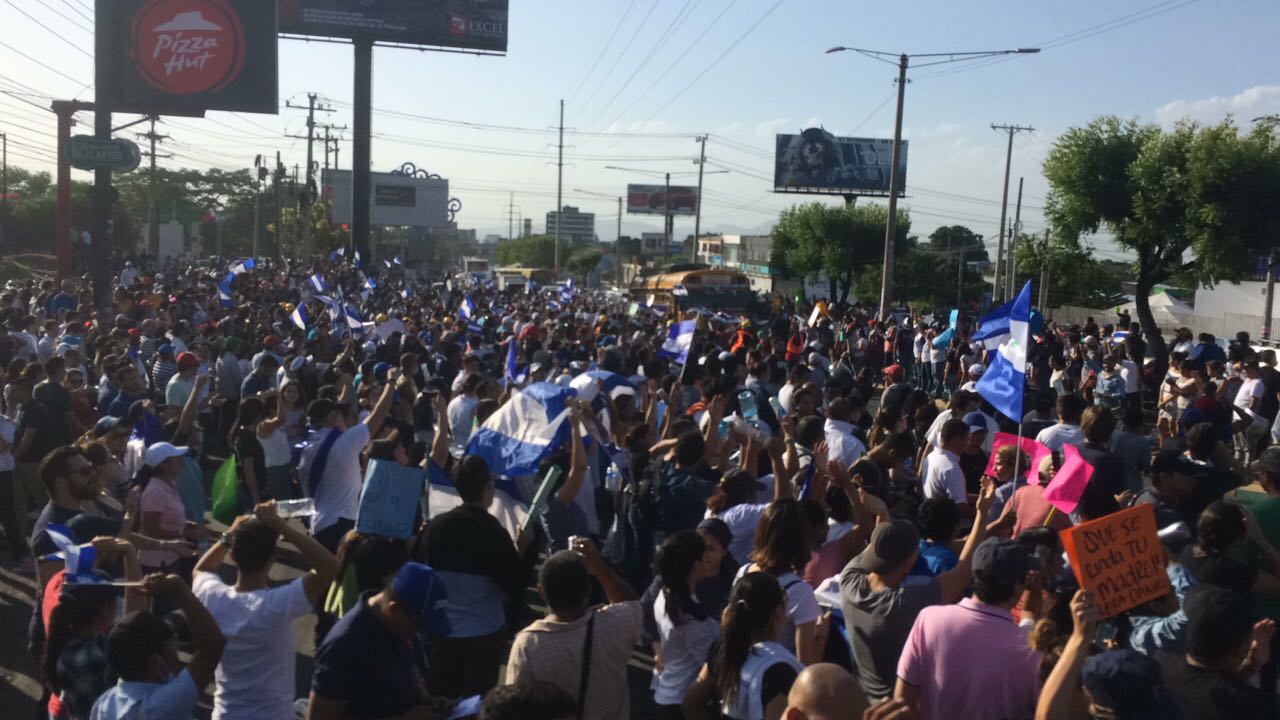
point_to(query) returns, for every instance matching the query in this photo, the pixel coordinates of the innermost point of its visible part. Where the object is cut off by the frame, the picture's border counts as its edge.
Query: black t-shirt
(682, 496)
(249, 452)
(364, 664)
(1107, 481)
(1207, 694)
(51, 431)
(1221, 570)
(470, 540)
(972, 465)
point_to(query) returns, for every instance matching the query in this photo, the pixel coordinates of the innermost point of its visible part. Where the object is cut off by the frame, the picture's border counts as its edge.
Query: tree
(584, 262)
(537, 251)
(1076, 277)
(1164, 194)
(842, 241)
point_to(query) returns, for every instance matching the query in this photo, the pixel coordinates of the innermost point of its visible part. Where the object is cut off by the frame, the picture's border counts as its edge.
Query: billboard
(815, 161)
(653, 199)
(183, 57)
(398, 200)
(464, 24)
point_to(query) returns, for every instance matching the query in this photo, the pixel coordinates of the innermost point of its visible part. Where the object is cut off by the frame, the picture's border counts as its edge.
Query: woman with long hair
(294, 404)
(685, 631)
(749, 671)
(888, 421)
(781, 549)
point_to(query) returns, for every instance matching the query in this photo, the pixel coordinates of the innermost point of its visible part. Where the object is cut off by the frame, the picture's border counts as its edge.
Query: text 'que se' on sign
(1119, 559)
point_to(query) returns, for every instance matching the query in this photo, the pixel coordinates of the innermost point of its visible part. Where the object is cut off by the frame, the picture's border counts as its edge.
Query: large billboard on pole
(395, 200)
(183, 57)
(655, 199)
(463, 24)
(815, 161)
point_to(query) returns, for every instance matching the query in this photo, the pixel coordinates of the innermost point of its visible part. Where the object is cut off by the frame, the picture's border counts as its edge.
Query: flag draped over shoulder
(1004, 382)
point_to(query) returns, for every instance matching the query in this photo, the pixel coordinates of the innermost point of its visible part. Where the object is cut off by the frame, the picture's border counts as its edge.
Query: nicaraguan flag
(242, 266)
(404, 294)
(993, 328)
(357, 257)
(508, 502)
(1118, 337)
(514, 376)
(566, 292)
(678, 341)
(79, 558)
(468, 308)
(524, 430)
(317, 283)
(340, 252)
(224, 294)
(396, 260)
(1004, 382)
(299, 317)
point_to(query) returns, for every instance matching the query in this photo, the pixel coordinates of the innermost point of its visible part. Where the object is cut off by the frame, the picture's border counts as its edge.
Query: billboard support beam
(100, 219)
(891, 225)
(362, 128)
(697, 212)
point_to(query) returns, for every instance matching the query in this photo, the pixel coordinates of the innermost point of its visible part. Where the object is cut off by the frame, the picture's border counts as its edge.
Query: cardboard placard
(1119, 559)
(389, 499)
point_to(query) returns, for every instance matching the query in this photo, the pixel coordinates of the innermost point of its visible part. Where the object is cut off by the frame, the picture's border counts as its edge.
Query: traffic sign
(90, 153)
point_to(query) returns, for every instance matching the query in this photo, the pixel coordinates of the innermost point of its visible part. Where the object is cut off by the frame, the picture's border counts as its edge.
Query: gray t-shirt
(879, 623)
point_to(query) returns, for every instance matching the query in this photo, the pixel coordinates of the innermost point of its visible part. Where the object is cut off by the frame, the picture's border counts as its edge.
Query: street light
(891, 227)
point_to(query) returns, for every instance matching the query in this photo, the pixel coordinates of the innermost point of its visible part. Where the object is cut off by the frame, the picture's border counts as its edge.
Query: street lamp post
(904, 61)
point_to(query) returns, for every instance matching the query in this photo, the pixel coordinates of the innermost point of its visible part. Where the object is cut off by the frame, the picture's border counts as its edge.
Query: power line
(41, 63)
(75, 5)
(53, 32)
(73, 21)
(630, 40)
(600, 50)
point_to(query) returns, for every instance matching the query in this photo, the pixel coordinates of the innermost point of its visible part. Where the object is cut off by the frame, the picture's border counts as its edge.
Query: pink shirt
(940, 659)
(162, 497)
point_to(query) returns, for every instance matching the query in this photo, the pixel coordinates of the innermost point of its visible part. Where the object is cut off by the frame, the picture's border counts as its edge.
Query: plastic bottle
(304, 507)
(747, 404)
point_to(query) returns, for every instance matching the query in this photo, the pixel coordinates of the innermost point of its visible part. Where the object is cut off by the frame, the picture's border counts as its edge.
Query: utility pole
(1011, 274)
(999, 291)
(697, 215)
(1044, 274)
(279, 179)
(308, 194)
(511, 202)
(666, 220)
(617, 245)
(559, 189)
(153, 213)
(4, 187)
(1272, 268)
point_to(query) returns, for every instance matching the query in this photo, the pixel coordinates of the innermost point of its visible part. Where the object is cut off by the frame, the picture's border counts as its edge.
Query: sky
(642, 78)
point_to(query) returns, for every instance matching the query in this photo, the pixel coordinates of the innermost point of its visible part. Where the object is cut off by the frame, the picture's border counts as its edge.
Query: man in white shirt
(49, 340)
(256, 676)
(842, 446)
(129, 275)
(1067, 430)
(25, 338)
(942, 474)
(1249, 398)
(462, 414)
(795, 380)
(335, 480)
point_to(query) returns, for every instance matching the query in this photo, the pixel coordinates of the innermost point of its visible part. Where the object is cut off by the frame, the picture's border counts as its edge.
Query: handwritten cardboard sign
(1034, 451)
(389, 499)
(1119, 559)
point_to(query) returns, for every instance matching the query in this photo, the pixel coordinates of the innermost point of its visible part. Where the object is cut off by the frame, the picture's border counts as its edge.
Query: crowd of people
(794, 513)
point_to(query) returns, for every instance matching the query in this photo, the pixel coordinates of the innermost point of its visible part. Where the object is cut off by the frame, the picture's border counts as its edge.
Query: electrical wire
(75, 23)
(50, 68)
(630, 40)
(51, 31)
(75, 6)
(600, 51)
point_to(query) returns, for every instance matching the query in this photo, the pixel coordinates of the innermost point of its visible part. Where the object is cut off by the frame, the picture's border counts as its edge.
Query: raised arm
(191, 408)
(1061, 697)
(955, 580)
(271, 424)
(440, 444)
(209, 641)
(382, 407)
(577, 460)
(324, 566)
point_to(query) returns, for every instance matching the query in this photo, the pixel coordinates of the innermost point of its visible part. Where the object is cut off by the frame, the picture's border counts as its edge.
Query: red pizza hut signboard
(183, 57)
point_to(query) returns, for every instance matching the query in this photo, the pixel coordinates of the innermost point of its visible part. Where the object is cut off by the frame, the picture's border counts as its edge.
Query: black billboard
(463, 24)
(815, 161)
(183, 57)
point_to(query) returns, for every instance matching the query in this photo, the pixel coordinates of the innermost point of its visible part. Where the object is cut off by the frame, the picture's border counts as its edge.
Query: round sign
(185, 47)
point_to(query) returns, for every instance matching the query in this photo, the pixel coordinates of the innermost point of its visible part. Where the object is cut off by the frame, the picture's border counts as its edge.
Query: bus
(690, 287)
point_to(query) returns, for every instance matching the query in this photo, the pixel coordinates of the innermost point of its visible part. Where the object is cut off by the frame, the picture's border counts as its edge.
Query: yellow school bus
(698, 287)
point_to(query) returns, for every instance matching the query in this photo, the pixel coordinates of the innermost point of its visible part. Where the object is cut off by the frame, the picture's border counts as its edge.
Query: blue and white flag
(468, 308)
(396, 260)
(676, 346)
(242, 266)
(79, 558)
(993, 328)
(404, 294)
(317, 283)
(524, 430)
(508, 504)
(300, 318)
(1004, 382)
(357, 257)
(340, 252)
(370, 283)
(1118, 337)
(224, 292)
(566, 292)
(513, 375)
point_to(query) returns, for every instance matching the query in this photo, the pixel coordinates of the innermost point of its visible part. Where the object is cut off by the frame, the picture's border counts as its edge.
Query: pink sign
(1034, 450)
(1064, 491)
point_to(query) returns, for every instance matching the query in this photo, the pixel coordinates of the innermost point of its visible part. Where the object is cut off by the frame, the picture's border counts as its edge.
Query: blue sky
(1143, 58)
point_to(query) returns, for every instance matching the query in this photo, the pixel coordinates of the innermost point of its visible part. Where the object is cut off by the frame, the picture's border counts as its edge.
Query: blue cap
(1129, 684)
(976, 421)
(105, 425)
(380, 371)
(165, 349)
(422, 594)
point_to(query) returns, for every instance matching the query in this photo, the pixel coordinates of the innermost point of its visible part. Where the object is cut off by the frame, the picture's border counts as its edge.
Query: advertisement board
(397, 200)
(464, 24)
(183, 57)
(653, 199)
(815, 161)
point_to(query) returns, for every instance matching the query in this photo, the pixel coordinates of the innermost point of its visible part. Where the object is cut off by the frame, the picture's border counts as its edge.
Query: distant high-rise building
(528, 228)
(577, 227)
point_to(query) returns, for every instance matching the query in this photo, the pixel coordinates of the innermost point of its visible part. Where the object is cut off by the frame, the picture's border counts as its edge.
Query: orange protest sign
(1119, 559)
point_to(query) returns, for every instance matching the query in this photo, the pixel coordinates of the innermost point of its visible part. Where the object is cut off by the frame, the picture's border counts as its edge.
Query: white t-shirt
(255, 678)
(943, 476)
(1055, 436)
(843, 446)
(1249, 391)
(802, 606)
(340, 479)
(742, 521)
(684, 651)
(462, 414)
(1129, 371)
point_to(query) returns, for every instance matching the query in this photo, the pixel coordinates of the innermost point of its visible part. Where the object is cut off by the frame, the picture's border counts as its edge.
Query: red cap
(135, 332)
(187, 360)
(894, 372)
(270, 341)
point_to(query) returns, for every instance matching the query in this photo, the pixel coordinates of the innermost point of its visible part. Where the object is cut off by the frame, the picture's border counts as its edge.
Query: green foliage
(584, 262)
(537, 251)
(842, 241)
(950, 238)
(1076, 277)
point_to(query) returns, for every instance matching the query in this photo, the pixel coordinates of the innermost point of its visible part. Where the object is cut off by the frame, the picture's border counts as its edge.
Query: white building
(575, 226)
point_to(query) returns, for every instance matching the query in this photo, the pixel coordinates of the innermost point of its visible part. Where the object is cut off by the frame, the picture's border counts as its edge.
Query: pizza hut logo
(185, 47)
(458, 25)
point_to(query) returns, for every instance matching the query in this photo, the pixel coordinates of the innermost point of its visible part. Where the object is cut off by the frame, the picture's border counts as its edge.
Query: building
(528, 228)
(651, 243)
(575, 226)
(748, 253)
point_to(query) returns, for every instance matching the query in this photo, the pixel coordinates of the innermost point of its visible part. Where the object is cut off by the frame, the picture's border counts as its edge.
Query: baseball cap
(1002, 561)
(160, 452)
(423, 594)
(1269, 461)
(105, 425)
(165, 349)
(891, 544)
(270, 341)
(187, 360)
(893, 372)
(977, 369)
(976, 421)
(1128, 684)
(1172, 461)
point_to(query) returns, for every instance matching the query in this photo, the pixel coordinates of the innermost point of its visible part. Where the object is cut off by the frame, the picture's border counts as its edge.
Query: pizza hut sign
(188, 56)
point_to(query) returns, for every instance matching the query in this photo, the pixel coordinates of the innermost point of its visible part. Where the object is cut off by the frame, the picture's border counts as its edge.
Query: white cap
(586, 386)
(160, 452)
(977, 369)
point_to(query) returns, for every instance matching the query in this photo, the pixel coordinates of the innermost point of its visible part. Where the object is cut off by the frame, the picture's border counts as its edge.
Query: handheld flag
(357, 258)
(79, 558)
(524, 430)
(566, 293)
(299, 317)
(387, 263)
(1004, 382)
(993, 328)
(224, 294)
(514, 377)
(241, 266)
(468, 308)
(679, 341)
(317, 283)
(396, 260)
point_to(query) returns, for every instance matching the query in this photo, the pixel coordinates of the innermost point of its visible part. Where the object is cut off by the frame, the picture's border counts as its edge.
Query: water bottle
(305, 507)
(747, 406)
